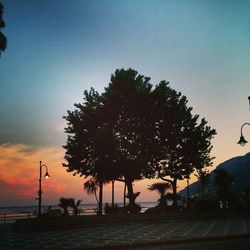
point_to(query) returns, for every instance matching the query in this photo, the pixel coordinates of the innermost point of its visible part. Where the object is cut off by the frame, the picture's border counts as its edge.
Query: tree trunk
(124, 194)
(113, 193)
(100, 199)
(130, 191)
(174, 186)
(188, 196)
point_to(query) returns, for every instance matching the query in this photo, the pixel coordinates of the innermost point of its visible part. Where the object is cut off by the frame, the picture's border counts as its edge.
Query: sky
(57, 49)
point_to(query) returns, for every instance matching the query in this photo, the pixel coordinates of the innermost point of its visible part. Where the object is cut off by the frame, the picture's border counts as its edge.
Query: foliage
(3, 39)
(223, 181)
(90, 147)
(205, 204)
(127, 103)
(113, 209)
(246, 198)
(203, 178)
(65, 203)
(161, 188)
(132, 207)
(133, 131)
(182, 140)
(91, 187)
(107, 138)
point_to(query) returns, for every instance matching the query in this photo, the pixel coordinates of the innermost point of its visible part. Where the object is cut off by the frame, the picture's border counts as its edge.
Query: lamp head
(242, 141)
(46, 176)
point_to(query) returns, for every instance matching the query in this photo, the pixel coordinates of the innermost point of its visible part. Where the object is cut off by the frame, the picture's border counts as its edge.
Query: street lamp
(46, 176)
(242, 140)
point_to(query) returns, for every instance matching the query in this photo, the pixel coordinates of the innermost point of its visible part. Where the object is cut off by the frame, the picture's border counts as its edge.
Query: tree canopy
(134, 131)
(3, 39)
(182, 141)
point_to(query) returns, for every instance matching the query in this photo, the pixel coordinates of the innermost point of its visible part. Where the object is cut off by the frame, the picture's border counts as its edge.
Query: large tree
(127, 103)
(133, 131)
(109, 134)
(90, 148)
(3, 39)
(182, 141)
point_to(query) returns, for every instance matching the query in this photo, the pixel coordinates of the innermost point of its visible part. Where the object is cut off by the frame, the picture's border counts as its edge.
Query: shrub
(113, 209)
(133, 208)
(206, 204)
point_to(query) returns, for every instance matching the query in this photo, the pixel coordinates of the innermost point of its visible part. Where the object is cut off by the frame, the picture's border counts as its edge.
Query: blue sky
(58, 48)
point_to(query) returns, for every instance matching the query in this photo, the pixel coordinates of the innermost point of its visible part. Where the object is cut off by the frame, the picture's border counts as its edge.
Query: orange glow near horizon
(20, 172)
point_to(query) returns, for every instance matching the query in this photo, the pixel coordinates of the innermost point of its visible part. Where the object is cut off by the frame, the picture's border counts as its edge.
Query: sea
(86, 209)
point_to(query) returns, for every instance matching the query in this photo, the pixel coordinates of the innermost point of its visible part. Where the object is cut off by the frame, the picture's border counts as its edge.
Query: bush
(113, 209)
(133, 208)
(160, 209)
(206, 204)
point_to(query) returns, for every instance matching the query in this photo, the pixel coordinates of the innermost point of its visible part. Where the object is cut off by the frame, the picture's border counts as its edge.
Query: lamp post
(242, 141)
(46, 176)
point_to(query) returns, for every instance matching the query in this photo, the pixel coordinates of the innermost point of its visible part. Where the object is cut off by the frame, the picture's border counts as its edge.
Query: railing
(12, 217)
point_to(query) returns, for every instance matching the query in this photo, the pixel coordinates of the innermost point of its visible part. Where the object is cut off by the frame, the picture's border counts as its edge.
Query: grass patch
(51, 223)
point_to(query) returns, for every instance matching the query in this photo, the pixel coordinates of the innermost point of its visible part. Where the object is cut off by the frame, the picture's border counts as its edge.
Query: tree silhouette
(223, 181)
(181, 143)
(90, 147)
(3, 39)
(91, 187)
(108, 133)
(127, 105)
(65, 203)
(132, 131)
(203, 178)
(161, 188)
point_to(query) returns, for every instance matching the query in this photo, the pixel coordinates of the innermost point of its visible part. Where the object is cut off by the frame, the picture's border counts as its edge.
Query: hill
(238, 167)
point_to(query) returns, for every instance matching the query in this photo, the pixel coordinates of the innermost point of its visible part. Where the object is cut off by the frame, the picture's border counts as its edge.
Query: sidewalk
(118, 235)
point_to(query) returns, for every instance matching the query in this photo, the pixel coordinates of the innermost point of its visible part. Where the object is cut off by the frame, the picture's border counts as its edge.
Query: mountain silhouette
(238, 167)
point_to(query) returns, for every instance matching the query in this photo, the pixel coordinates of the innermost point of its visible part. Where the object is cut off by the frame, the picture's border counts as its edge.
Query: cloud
(20, 173)
(19, 176)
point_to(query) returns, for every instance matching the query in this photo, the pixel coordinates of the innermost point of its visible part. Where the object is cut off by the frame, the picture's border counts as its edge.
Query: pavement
(125, 235)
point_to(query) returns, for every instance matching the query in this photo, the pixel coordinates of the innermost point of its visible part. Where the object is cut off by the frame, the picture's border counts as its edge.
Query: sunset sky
(59, 48)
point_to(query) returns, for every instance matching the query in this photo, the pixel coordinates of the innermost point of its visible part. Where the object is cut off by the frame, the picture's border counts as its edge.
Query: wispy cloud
(20, 172)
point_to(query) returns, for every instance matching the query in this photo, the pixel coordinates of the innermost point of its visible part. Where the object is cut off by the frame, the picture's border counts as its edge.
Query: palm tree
(161, 188)
(65, 203)
(203, 177)
(91, 187)
(75, 206)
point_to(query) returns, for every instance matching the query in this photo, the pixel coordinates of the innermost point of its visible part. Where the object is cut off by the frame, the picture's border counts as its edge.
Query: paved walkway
(118, 235)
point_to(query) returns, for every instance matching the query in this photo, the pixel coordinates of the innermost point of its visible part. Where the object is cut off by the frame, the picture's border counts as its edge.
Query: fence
(12, 217)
